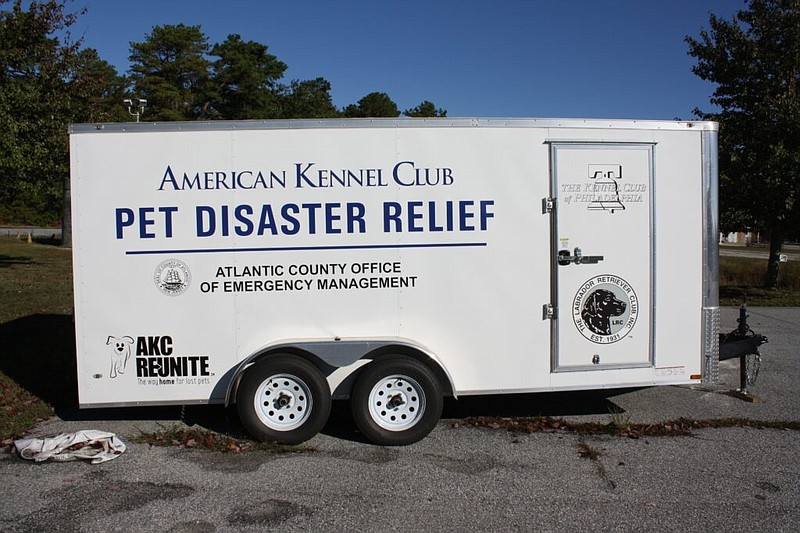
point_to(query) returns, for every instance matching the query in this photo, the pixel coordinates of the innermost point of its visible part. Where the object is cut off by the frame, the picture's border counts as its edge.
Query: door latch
(565, 258)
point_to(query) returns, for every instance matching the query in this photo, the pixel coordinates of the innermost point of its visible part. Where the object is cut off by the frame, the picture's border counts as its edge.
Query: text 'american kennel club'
(278, 265)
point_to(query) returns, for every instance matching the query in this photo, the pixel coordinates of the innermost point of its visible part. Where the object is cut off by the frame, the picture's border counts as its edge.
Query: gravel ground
(459, 478)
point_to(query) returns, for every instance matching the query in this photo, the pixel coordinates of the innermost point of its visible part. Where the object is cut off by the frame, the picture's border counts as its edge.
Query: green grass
(742, 278)
(36, 333)
(34, 278)
(19, 410)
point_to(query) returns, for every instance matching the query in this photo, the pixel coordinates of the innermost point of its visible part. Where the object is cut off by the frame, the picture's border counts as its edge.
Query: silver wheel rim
(396, 402)
(283, 402)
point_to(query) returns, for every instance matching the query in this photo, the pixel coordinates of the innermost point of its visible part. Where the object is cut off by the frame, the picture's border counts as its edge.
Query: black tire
(283, 399)
(396, 400)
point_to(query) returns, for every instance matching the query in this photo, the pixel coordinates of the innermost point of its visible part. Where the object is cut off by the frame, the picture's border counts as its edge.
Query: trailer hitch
(743, 343)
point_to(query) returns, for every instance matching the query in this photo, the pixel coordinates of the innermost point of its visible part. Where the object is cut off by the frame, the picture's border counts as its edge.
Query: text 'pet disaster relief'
(278, 265)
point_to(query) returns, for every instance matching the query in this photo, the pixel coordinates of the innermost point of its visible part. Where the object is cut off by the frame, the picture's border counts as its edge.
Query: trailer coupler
(743, 343)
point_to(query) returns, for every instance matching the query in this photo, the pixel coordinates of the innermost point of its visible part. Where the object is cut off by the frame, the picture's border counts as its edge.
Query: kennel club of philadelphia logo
(172, 277)
(605, 309)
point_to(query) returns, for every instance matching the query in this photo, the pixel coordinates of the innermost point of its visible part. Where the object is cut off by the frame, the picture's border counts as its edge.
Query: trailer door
(601, 209)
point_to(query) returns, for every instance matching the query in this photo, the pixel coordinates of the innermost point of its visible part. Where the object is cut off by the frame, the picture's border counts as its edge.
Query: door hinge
(549, 312)
(548, 204)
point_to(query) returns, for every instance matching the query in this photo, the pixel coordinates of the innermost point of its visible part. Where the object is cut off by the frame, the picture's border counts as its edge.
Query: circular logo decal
(172, 277)
(605, 309)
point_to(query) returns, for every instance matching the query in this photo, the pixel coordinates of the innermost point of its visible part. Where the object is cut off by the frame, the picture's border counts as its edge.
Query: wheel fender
(423, 355)
(330, 355)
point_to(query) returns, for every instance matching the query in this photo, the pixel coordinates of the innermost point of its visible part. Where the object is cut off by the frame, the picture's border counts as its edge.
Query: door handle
(565, 258)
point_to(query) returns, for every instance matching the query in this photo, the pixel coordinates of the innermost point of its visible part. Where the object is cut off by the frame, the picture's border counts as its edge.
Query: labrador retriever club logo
(605, 309)
(172, 277)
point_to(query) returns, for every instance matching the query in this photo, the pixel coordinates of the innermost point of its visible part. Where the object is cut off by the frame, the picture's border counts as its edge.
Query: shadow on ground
(551, 404)
(38, 352)
(555, 404)
(8, 260)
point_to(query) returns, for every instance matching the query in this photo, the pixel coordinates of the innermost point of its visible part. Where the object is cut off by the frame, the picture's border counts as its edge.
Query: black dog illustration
(598, 309)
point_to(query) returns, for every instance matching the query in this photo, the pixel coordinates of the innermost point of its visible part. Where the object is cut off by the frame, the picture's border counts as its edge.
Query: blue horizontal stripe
(307, 248)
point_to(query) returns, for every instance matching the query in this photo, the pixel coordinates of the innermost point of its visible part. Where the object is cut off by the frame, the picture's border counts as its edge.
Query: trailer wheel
(284, 399)
(396, 400)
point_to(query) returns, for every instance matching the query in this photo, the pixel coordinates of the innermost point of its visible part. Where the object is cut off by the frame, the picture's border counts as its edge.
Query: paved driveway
(459, 478)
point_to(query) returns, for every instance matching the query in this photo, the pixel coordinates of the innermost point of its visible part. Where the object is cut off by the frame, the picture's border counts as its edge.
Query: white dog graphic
(120, 353)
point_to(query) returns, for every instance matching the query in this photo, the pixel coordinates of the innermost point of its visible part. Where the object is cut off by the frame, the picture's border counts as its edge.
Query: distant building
(742, 238)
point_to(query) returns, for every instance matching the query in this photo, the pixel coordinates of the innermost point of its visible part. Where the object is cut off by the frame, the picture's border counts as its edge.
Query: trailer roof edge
(443, 122)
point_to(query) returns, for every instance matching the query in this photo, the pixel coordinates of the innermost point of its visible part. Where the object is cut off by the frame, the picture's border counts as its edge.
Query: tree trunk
(66, 216)
(774, 261)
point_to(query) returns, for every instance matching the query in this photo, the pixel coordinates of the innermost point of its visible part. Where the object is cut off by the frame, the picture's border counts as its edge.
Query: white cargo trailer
(279, 264)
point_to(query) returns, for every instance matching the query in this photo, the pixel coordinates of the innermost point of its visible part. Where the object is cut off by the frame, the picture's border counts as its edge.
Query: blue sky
(494, 58)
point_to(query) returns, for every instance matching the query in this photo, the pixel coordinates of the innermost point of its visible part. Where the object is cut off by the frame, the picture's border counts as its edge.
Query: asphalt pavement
(459, 478)
(24, 231)
(760, 251)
